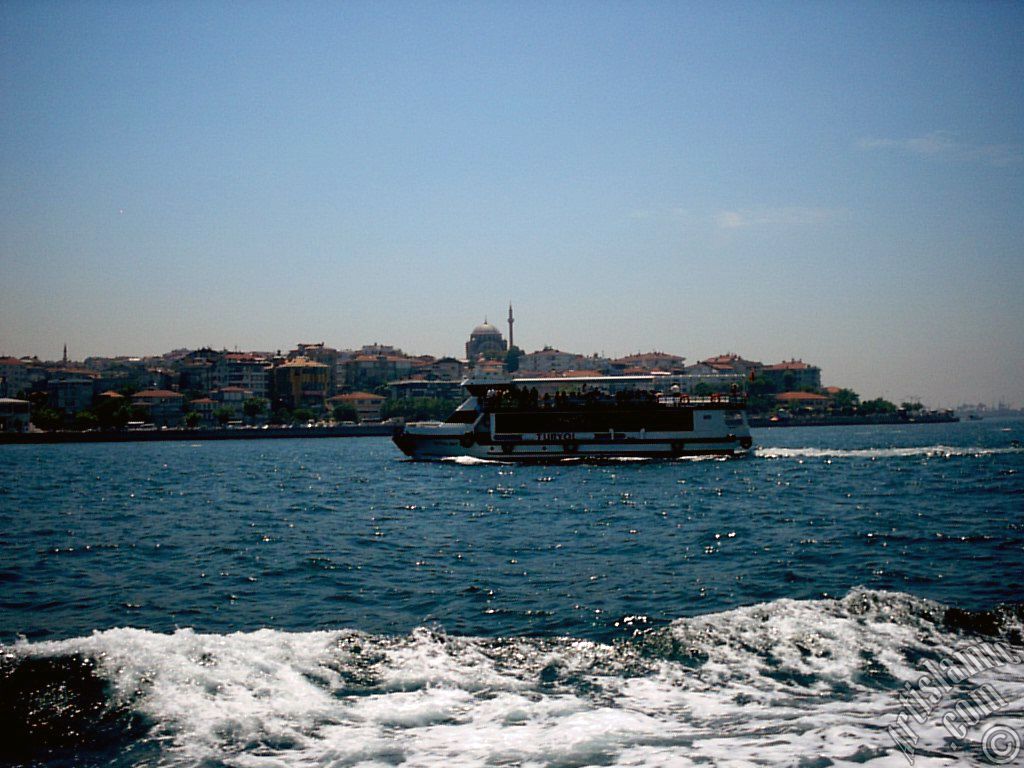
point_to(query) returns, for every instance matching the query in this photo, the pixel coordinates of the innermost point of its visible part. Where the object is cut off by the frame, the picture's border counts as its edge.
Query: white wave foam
(470, 461)
(928, 451)
(756, 685)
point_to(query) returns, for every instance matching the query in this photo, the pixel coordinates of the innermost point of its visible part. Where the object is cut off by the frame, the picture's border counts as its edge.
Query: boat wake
(929, 452)
(759, 685)
(471, 461)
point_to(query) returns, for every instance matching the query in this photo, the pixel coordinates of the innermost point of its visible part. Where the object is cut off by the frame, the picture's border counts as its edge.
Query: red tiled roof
(792, 365)
(650, 357)
(156, 394)
(10, 361)
(111, 393)
(805, 396)
(729, 360)
(356, 396)
(300, 362)
(376, 358)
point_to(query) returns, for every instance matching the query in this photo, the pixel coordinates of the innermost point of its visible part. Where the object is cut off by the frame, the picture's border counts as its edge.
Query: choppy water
(326, 602)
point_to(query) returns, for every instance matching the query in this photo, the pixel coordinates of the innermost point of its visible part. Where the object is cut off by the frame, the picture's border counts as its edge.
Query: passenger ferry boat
(592, 417)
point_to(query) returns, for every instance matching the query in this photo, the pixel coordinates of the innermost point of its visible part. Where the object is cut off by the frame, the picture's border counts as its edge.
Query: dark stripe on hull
(430, 448)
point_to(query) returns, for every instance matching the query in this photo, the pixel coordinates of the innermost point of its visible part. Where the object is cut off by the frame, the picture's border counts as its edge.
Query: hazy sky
(841, 182)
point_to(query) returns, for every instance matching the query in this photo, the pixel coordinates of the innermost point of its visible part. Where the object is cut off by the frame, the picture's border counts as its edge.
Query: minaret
(511, 320)
(65, 354)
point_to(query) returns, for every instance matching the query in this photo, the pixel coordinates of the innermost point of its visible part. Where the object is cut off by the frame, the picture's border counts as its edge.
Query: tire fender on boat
(466, 441)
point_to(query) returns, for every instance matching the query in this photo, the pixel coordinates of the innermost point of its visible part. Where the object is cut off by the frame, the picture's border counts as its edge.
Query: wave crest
(929, 451)
(821, 672)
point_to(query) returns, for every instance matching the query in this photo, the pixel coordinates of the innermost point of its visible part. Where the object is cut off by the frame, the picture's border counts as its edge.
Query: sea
(841, 596)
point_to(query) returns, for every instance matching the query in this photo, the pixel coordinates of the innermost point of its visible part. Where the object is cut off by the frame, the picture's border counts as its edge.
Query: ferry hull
(434, 447)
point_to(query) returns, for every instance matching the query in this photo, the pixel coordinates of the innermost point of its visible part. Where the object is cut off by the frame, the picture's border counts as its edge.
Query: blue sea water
(327, 602)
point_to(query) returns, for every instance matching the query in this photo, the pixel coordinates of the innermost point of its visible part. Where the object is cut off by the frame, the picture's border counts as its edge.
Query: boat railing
(504, 403)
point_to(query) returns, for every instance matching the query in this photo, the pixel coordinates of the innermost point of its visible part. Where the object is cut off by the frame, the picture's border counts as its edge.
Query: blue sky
(841, 182)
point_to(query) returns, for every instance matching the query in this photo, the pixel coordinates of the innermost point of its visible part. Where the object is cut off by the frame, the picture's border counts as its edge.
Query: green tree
(301, 415)
(47, 418)
(760, 395)
(86, 420)
(911, 407)
(139, 412)
(512, 358)
(254, 407)
(845, 401)
(112, 412)
(223, 414)
(345, 412)
(418, 408)
(877, 406)
(193, 419)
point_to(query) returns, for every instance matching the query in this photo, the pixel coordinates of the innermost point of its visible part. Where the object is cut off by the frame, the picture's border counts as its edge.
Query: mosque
(487, 342)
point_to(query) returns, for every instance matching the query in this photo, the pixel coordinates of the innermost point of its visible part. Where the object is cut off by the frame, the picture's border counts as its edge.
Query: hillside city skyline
(69, 359)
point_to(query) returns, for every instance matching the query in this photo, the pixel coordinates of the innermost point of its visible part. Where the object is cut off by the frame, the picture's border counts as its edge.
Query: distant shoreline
(163, 435)
(384, 430)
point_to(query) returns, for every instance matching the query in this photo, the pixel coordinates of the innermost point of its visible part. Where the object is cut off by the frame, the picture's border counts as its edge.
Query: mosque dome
(486, 329)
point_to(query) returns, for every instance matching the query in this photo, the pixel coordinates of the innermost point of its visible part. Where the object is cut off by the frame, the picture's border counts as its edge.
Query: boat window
(461, 417)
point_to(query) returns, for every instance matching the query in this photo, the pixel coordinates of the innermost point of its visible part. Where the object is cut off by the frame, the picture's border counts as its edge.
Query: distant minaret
(65, 354)
(511, 320)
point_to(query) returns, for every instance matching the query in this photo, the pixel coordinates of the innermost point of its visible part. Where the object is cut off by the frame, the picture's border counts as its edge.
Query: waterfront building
(206, 370)
(300, 383)
(808, 401)
(731, 363)
(367, 404)
(14, 414)
(165, 408)
(487, 342)
(550, 360)
(233, 398)
(70, 395)
(366, 371)
(205, 407)
(244, 370)
(791, 375)
(488, 368)
(650, 362)
(319, 353)
(443, 369)
(20, 375)
(426, 388)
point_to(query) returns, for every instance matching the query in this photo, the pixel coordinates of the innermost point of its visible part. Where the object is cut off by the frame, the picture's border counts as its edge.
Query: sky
(837, 182)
